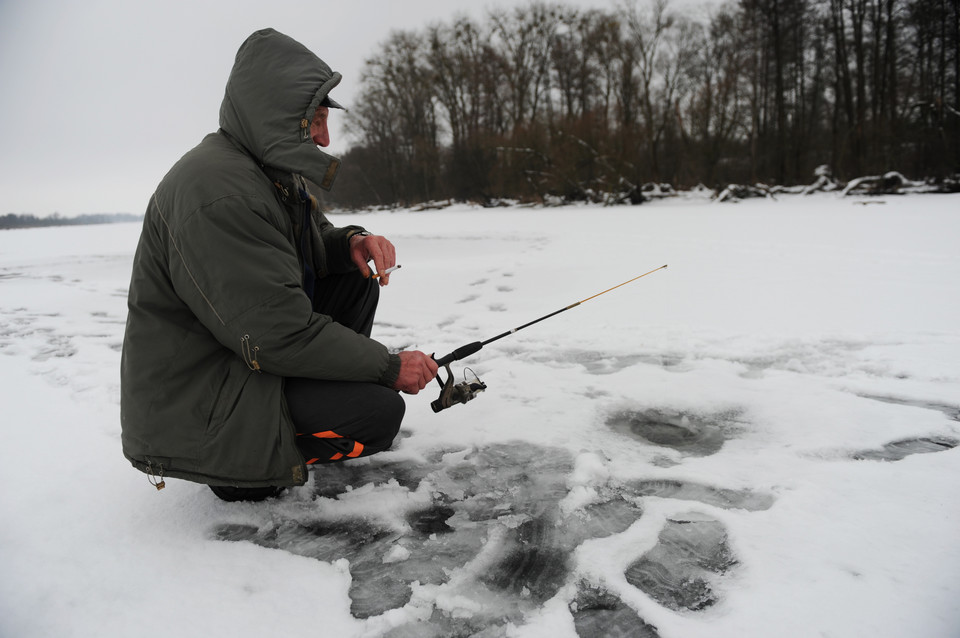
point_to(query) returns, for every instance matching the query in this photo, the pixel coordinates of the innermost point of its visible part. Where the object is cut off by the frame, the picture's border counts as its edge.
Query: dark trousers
(337, 420)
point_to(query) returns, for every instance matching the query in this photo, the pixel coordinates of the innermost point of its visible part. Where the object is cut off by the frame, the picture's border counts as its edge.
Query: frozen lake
(759, 440)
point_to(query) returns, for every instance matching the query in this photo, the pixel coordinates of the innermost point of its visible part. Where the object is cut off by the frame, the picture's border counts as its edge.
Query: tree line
(548, 100)
(12, 220)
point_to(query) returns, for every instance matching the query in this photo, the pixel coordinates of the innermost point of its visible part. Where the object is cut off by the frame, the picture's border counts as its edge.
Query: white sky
(98, 98)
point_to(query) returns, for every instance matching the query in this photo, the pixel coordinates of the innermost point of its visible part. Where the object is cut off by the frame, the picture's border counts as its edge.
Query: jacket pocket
(228, 396)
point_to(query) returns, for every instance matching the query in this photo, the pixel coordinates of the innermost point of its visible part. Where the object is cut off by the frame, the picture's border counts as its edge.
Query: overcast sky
(98, 98)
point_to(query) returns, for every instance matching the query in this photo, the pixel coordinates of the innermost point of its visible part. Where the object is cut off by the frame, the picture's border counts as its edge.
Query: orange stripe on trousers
(329, 434)
(357, 450)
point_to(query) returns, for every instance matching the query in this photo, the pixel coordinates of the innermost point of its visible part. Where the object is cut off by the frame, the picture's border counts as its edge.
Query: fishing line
(451, 394)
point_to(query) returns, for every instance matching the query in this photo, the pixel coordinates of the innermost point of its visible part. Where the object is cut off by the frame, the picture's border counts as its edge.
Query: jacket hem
(296, 477)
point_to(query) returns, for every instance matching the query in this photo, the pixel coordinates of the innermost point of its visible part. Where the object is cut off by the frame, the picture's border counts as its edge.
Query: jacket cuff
(351, 231)
(337, 245)
(392, 373)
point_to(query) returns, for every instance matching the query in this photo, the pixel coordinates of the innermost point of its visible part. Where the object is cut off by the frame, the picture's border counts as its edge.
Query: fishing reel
(452, 394)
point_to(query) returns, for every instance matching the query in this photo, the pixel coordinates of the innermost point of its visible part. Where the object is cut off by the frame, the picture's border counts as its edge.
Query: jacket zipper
(308, 273)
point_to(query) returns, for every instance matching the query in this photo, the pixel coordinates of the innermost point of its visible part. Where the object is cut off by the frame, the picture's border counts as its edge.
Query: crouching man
(247, 354)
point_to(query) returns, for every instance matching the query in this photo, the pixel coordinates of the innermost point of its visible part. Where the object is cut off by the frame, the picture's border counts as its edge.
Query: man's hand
(416, 371)
(364, 248)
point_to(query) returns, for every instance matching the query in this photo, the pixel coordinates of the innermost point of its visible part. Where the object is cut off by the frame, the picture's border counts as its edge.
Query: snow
(784, 394)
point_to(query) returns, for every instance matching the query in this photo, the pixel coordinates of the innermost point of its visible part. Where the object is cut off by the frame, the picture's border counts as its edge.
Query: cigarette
(386, 272)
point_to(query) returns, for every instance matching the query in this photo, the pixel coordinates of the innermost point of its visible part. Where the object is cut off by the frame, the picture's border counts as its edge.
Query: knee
(388, 409)
(396, 408)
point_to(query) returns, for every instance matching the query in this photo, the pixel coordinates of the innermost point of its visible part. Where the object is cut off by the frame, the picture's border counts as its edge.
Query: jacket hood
(273, 91)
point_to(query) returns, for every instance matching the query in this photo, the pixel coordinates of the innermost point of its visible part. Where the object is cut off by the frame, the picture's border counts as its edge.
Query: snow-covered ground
(757, 441)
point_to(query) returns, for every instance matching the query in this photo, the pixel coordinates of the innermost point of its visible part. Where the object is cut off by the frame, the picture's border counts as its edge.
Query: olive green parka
(217, 313)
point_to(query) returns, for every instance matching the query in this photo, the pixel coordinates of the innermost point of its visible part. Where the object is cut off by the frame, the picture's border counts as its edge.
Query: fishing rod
(452, 394)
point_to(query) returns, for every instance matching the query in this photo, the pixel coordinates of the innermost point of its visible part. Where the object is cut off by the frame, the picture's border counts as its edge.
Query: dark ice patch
(334, 479)
(432, 520)
(692, 434)
(494, 521)
(441, 625)
(600, 614)
(899, 450)
(679, 571)
(534, 564)
(236, 532)
(509, 491)
(377, 586)
(611, 516)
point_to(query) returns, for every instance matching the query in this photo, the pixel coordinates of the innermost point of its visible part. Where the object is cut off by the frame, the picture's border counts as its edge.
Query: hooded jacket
(218, 316)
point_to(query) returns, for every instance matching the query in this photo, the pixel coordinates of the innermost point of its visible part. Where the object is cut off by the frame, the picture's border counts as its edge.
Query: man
(247, 354)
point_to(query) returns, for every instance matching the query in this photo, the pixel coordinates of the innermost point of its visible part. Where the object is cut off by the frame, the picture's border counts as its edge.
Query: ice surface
(761, 440)
(494, 526)
(496, 504)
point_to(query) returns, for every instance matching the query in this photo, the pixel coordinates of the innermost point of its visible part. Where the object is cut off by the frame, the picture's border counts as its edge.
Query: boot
(253, 494)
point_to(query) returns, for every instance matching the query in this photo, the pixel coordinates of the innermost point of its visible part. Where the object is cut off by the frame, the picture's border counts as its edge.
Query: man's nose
(321, 137)
(320, 133)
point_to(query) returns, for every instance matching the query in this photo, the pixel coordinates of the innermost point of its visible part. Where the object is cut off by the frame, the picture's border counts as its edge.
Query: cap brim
(331, 103)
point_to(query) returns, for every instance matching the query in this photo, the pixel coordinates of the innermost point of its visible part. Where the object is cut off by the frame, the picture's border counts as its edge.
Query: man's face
(318, 127)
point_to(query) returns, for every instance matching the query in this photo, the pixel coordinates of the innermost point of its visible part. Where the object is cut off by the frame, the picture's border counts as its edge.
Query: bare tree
(396, 113)
(663, 49)
(524, 37)
(716, 107)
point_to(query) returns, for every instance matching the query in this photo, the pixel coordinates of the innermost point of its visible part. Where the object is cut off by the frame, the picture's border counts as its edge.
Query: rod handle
(459, 353)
